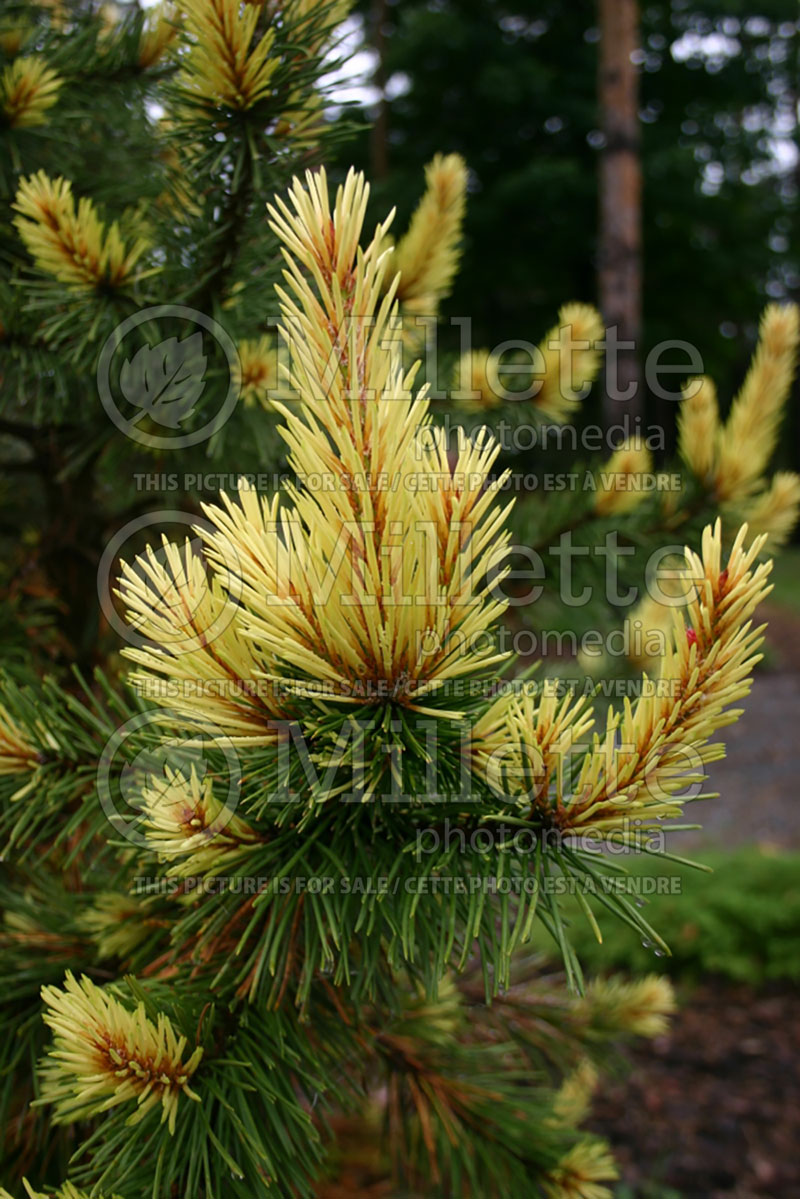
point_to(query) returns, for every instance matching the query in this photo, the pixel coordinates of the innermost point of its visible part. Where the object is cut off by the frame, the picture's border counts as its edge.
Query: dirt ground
(713, 1108)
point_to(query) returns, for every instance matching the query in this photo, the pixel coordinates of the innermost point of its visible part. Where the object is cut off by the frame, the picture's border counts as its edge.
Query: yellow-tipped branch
(748, 439)
(653, 750)
(74, 246)
(28, 88)
(103, 1055)
(228, 66)
(571, 360)
(427, 257)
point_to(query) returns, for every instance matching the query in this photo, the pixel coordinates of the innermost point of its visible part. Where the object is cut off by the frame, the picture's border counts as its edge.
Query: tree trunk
(620, 233)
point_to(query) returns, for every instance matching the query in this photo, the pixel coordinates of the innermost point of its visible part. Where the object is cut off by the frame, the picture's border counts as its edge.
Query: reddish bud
(691, 636)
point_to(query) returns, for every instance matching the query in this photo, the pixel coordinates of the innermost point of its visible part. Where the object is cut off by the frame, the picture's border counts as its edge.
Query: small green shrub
(742, 921)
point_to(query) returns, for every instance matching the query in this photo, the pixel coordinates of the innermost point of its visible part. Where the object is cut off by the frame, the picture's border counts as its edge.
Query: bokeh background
(515, 89)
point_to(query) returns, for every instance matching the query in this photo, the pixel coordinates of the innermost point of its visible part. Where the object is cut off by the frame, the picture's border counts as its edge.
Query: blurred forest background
(516, 88)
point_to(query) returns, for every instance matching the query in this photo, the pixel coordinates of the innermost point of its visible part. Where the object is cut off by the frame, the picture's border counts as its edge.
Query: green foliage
(786, 580)
(741, 921)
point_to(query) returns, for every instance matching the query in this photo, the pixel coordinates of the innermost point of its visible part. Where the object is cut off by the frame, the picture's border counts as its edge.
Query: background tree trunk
(620, 232)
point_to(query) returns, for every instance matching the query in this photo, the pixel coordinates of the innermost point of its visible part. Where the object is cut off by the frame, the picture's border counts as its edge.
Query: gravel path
(759, 793)
(759, 779)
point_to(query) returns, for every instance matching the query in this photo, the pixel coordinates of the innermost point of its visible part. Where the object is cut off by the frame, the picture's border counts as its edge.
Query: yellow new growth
(521, 743)
(17, 754)
(475, 379)
(74, 247)
(103, 1055)
(373, 583)
(117, 923)
(67, 1190)
(775, 510)
(574, 1096)
(28, 88)
(427, 257)
(224, 67)
(565, 362)
(195, 660)
(316, 19)
(698, 426)
(184, 820)
(581, 1171)
(731, 459)
(649, 627)
(751, 431)
(258, 373)
(23, 751)
(14, 34)
(654, 749)
(619, 484)
(571, 360)
(641, 1006)
(159, 32)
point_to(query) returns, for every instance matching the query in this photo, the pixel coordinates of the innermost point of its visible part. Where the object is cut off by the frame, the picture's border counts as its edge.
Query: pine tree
(137, 154)
(273, 907)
